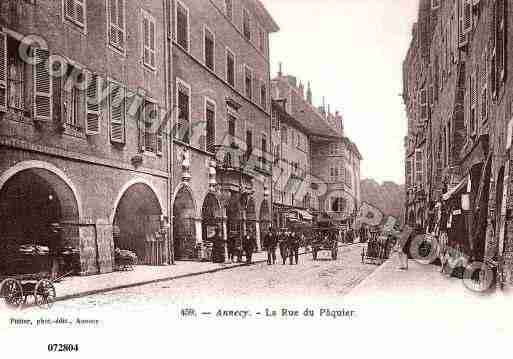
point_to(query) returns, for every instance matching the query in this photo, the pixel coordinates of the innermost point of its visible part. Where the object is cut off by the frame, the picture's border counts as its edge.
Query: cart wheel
(44, 293)
(12, 292)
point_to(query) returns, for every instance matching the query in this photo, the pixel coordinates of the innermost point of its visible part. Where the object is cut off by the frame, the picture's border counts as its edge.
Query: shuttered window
(263, 96)
(93, 105)
(117, 113)
(75, 11)
(150, 128)
(246, 24)
(183, 123)
(149, 42)
(423, 105)
(231, 125)
(230, 68)
(3, 72)
(42, 86)
(209, 49)
(210, 117)
(117, 24)
(182, 26)
(248, 81)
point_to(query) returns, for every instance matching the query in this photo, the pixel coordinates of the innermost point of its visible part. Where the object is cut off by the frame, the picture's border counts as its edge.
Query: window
(71, 100)
(182, 26)
(15, 74)
(264, 144)
(210, 117)
(435, 4)
(262, 40)
(230, 67)
(284, 135)
(249, 143)
(500, 41)
(183, 125)
(246, 24)
(338, 204)
(209, 48)
(248, 81)
(117, 113)
(75, 11)
(473, 103)
(117, 24)
(263, 95)
(149, 45)
(419, 167)
(150, 127)
(228, 8)
(423, 105)
(231, 125)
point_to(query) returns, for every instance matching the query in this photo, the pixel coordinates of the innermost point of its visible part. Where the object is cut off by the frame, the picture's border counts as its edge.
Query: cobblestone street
(322, 280)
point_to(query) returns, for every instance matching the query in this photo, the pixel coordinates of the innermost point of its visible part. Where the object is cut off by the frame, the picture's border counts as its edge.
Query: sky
(352, 52)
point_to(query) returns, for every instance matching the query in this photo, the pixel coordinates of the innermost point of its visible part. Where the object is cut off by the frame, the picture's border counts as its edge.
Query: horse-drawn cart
(378, 250)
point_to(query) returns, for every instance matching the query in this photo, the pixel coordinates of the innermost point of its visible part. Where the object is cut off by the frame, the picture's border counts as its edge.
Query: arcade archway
(184, 232)
(30, 201)
(137, 220)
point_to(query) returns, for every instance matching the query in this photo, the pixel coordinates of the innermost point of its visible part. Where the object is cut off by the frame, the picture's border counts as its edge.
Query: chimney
(309, 94)
(301, 90)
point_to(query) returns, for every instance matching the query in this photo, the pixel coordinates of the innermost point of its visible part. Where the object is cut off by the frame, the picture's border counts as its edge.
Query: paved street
(322, 280)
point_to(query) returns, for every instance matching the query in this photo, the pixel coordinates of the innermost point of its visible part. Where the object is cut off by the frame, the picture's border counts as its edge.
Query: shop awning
(458, 188)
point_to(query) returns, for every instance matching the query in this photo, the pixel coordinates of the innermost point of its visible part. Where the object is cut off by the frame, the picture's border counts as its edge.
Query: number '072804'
(63, 347)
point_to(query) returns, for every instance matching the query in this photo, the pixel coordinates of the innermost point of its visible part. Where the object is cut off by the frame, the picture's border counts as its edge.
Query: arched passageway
(184, 231)
(137, 221)
(30, 201)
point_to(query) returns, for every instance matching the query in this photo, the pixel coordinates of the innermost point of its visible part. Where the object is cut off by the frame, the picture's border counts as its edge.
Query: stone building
(459, 103)
(77, 108)
(329, 188)
(220, 88)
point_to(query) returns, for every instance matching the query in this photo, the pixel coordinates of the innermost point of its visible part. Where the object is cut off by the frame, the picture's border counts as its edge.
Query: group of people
(288, 243)
(238, 247)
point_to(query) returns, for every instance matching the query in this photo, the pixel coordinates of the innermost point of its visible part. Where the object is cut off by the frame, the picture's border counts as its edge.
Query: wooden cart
(16, 289)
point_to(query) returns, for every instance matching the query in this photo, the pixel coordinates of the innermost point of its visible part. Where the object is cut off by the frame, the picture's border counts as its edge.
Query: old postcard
(236, 177)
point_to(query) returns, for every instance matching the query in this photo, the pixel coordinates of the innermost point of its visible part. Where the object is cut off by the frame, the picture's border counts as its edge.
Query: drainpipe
(168, 46)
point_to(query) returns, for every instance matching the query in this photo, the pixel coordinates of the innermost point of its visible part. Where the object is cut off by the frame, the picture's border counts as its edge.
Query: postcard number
(63, 347)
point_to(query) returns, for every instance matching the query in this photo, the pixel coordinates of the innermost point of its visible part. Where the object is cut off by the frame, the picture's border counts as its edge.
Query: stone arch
(184, 228)
(33, 195)
(137, 219)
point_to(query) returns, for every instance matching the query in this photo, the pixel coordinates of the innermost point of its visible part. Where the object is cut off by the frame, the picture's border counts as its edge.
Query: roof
(271, 24)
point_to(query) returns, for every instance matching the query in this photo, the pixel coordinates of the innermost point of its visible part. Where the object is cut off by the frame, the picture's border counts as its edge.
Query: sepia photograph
(234, 177)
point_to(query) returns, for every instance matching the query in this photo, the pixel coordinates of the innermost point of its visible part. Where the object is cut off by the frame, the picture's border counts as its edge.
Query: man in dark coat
(270, 243)
(217, 247)
(55, 242)
(293, 245)
(249, 245)
(282, 239)
(230, 246)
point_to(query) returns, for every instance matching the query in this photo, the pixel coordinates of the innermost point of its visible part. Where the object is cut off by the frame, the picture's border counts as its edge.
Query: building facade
(220, 85)
(458, 102)
(77, 104)
(328, 184)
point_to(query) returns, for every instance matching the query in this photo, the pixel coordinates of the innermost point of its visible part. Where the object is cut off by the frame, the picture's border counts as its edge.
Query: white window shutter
(117, 24)
(75, 10)
(93, 109)
(42, 86)
(3, 72)
(117, 113)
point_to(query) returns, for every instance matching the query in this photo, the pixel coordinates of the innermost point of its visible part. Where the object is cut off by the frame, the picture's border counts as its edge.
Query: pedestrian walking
(403, 246)
(55, 241)
(230, 246)
(283, 246)
(270, 243)
(249, 245)
(293, 248)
